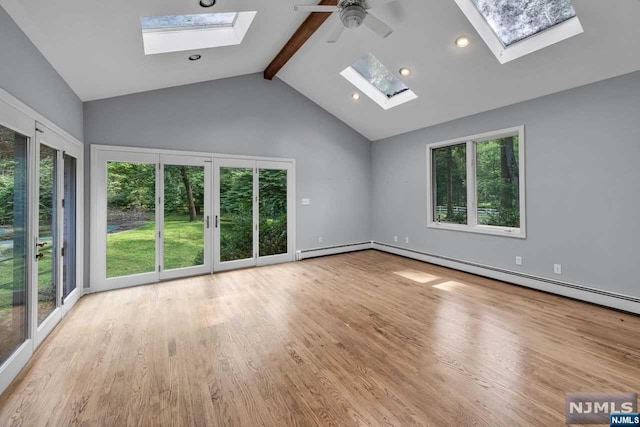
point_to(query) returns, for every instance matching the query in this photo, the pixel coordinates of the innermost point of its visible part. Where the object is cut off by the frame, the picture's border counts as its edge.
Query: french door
(54, 271)
(185, 238)
(153, 218)
(253, 213)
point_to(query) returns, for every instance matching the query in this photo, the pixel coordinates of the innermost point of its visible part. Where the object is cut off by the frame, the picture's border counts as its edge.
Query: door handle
(207, 221)
(39, 256)
(216, 221)
(41, 244)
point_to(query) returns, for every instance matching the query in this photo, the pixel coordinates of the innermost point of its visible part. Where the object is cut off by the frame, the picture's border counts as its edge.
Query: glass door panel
(234, 220)
(69, 225)
(183, 216)
(131, 218)
(272, 210)
(13, 241)
(275, 212)
(47, 243)
(186, 217)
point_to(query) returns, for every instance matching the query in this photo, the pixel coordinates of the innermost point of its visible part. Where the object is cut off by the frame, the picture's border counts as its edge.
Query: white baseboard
(571, 290)
(332, 250)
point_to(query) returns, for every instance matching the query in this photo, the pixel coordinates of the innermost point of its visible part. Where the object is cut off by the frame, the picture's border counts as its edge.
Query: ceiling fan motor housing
(353, 15)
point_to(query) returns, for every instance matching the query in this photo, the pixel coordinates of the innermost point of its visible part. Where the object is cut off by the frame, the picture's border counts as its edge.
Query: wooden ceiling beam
(298, 39)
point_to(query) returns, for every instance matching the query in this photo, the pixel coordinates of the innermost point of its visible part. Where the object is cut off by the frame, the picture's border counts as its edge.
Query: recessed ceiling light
(355, 96)
(463, 41)
(404, 71)
(194, 57)
(207, 3)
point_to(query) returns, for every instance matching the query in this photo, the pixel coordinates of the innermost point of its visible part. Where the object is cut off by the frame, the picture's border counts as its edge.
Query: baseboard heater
(584, 293)
(332, 250)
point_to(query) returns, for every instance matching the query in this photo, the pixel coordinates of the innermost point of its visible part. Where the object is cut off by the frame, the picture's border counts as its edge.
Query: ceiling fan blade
(336, 33)
(379, 27)
(315, 8)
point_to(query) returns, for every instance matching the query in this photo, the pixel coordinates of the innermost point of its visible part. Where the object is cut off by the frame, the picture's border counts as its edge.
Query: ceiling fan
(352, 13)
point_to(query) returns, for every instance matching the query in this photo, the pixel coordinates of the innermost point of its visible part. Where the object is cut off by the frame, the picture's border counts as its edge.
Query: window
(376, 81)
(175, 33)
(476, 183)
(514, 28)
(175, 22)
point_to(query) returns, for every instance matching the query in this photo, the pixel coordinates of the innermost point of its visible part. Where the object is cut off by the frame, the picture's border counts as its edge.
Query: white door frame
(45, 136)
(23, 124)
(184, 160)
(99, 280)
(19, 117)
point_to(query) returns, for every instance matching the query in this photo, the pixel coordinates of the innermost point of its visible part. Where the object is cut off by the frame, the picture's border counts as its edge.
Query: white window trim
(553, 35)
(472, 225)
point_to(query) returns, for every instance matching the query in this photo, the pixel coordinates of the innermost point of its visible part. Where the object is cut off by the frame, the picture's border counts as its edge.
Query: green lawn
(133, 251)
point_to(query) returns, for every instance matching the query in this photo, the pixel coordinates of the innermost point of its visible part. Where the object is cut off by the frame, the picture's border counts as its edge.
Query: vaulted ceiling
(97, 48)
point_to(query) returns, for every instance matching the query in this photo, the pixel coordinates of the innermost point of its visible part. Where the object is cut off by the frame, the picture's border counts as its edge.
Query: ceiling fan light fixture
(353, 16)
(463, 41)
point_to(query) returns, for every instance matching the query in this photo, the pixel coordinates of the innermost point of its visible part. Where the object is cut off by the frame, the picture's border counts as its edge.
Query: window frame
(472, 225)
(555, 34)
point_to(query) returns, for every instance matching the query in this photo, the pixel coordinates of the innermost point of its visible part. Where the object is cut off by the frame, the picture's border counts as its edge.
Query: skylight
(176, 33)
(378, 75)
(514, 28)
(204, 20)
(515, 20)
(376, 81)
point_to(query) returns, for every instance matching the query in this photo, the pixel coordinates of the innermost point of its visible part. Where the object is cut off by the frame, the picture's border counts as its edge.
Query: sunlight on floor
(451, 286)
(417, 276)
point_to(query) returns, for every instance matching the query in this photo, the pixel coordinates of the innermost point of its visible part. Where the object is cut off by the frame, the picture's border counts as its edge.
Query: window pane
(225, 19)
(183, 216)
(515, 20)
(498, 182)
(273, 211)
(47, 234)
(236, 213)
(13, 241)
(379, 76)
(450, 183)
(131, 220)
(69, 212)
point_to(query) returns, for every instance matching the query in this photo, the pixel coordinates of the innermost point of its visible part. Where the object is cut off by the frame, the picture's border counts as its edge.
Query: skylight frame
(180, 39)
(555, 34)
(377, 95)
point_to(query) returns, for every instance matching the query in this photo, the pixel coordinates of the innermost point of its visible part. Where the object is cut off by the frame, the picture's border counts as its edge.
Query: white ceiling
(97, 48)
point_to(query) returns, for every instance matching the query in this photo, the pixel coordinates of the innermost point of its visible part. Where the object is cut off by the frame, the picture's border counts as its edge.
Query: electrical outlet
(395, 238)
(557, 268)
(306, 202)
(320, 239)
(518, 260)
(406, 240)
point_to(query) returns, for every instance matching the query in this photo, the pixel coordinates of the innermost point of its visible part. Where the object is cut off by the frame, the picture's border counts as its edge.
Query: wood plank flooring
(357, 339)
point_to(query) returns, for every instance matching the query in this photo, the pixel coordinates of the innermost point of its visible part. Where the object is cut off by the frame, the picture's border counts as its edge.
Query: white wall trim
(332, 250)
(161, 151)
(572, 290)
(25, 109)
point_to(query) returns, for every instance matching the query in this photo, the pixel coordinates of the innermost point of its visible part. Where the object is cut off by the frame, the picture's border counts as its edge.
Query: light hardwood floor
(358, 339)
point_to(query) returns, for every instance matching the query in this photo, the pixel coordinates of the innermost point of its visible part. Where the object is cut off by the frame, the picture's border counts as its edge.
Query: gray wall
(251, 116)
(582, 179)
(28, 76)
